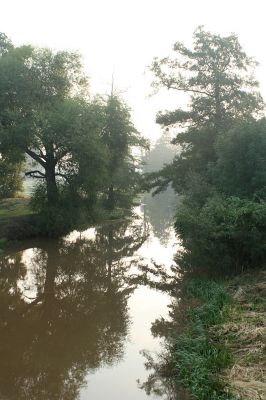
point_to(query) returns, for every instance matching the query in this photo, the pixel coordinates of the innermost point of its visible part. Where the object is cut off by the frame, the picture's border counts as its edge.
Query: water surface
(76, 314)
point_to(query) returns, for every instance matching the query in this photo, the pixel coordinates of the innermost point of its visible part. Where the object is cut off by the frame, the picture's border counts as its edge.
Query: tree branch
(188, 90)
(36, 157)
(32, 174)
(42, 155)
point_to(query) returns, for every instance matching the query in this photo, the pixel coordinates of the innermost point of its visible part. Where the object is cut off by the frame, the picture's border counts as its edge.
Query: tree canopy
(82, 147)
(218, 76)
(124, 144)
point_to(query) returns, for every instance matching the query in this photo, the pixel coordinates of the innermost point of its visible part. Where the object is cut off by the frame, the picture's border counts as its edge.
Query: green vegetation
(219, 174)
(14, 207)
(87, 156)
(232, 234)
(219, 168)
(243, 335)
(196, 360)
(215, 337)
(120, 137)
(81, 148)
(10, 178)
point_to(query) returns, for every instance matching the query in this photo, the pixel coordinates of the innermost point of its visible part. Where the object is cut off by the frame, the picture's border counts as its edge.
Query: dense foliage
(225, 232)
(10, 178)
(81, 147)
(220, 170)
(123, 168)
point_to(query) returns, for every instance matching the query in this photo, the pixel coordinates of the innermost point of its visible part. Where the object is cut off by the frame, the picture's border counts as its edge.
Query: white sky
(125, 35)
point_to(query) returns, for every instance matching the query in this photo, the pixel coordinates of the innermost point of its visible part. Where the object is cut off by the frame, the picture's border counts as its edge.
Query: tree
(217, 74)
(123, 141)
(240, 169)
(46, 113)
(161, 153)
(220, 168)
(160, 208)
(10, 171)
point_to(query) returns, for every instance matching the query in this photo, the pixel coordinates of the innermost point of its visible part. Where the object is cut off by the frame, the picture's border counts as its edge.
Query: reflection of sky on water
(145, 305)
(80, 291)
(27, 285)
(120, 381)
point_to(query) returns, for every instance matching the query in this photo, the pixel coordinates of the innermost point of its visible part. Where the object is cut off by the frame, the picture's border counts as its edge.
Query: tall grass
(196, 359)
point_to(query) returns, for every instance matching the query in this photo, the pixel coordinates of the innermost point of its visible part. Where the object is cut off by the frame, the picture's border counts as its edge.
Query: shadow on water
(63, 311)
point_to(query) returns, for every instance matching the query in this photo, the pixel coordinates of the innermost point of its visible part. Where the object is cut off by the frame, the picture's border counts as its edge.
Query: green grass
(14, 207)
(196, 360)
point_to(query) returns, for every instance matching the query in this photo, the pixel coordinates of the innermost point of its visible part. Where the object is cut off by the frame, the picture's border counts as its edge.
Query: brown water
(75, 314)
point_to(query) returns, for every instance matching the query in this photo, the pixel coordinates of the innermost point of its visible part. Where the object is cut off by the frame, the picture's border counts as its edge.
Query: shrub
(61, 217)
(10, 179)
(225, 234)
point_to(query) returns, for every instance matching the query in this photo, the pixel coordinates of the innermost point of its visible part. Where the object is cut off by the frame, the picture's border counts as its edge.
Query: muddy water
(76, 313)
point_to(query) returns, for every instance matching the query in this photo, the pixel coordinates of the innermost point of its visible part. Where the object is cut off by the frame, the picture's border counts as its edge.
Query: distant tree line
(219, 170)
(82, 146)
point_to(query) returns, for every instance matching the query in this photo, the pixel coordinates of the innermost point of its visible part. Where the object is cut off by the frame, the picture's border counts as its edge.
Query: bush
(226, 234)
(63, 216)
(10, 178)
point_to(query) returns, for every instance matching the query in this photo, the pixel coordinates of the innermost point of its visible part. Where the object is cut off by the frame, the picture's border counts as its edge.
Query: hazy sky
(124, 35)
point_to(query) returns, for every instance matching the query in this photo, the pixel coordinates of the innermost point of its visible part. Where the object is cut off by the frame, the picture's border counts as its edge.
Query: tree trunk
(52, 191)
(218, 105)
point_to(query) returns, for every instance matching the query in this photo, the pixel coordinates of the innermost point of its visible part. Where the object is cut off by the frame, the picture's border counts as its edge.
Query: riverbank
(18, 222)
(243, 334)
(219, 350)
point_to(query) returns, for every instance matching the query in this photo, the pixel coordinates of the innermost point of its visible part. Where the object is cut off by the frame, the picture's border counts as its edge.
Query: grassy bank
(18, 221)
(196, 359)
(219, 353)
(14, 207)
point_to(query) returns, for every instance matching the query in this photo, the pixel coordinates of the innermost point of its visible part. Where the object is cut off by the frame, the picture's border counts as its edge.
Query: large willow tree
(45, 113)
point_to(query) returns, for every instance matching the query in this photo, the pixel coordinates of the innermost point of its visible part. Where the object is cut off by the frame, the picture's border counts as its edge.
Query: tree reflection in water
(77, 320)
(162, 380)
(159, 211)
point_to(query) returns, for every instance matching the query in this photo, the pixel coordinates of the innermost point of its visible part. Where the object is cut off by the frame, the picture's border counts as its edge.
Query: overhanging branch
(35, 174)
(36, 157)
